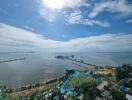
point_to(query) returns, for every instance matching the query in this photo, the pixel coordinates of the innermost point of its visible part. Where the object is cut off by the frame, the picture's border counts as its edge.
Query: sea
(41, 66)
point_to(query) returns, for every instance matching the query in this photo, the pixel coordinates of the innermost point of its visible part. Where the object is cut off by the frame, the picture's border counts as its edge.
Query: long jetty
(82, 62)
(81, 66)
(78, 61)
(16, 52)
(11, 60)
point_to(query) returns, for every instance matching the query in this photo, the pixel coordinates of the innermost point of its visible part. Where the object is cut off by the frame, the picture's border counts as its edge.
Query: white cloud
(114, 6)
(13, 36)
(28, 28)
(77, 18)
(17, 38)
(47, 14)
(59, 4)
(106, 42)
(49, 9)
(129, 21)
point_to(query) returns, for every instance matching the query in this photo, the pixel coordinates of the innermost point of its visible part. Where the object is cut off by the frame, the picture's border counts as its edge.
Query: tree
(117, 95)
(123, 72)
(129, 84)
(3, 95)
(120, 74)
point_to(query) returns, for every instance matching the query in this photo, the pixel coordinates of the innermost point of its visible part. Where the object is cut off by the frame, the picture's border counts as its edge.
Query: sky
(66, 25)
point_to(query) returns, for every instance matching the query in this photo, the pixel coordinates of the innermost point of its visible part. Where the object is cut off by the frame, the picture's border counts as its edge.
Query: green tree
(129, 84)
(117, 95)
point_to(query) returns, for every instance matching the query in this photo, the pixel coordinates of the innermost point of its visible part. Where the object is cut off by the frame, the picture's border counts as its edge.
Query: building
(128, 96)
(104, 71)
(102, 85)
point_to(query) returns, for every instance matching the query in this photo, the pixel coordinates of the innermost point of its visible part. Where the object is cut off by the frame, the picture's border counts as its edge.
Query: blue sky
(64, 21)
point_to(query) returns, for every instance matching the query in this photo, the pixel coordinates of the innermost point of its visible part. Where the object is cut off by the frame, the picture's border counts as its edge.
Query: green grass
(77, 82)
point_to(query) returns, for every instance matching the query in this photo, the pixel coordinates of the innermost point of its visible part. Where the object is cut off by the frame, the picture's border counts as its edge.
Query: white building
(128, 96)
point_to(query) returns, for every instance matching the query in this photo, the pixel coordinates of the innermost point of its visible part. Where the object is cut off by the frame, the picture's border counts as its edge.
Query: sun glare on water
(54, 4)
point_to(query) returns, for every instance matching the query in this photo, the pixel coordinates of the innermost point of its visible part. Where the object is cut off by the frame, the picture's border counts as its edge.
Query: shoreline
(27, 91)
(36, 85)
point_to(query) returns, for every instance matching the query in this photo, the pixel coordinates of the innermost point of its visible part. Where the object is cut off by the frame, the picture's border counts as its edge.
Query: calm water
(38, 67)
